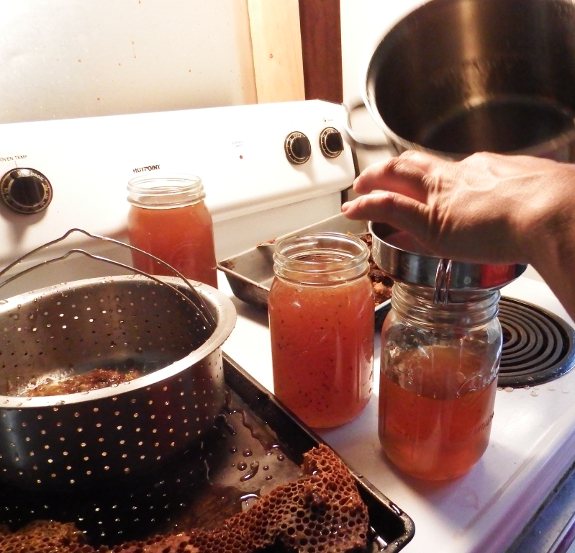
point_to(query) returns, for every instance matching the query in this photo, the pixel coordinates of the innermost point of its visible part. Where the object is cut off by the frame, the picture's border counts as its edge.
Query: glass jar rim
(165, 190)
(314, 257)
(469, 310)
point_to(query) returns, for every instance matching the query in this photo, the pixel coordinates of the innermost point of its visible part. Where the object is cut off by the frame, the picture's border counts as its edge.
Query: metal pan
(203, 486)
(250, 273)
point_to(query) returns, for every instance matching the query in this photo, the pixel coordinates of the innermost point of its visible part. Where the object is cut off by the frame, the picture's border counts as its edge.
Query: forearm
(552, 255)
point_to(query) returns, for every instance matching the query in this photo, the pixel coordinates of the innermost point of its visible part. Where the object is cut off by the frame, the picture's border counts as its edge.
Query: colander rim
(220, 304)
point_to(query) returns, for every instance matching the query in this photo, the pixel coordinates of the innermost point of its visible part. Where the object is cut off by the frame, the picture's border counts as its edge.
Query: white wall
(66, 58)
(63, 58)
(76, 58)
(363, 23)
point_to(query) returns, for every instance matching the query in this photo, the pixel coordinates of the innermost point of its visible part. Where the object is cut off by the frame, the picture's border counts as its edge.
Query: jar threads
(168, 191)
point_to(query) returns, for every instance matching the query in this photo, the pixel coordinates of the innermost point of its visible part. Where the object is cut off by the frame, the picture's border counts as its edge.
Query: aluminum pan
(250, 273)
(204, 485)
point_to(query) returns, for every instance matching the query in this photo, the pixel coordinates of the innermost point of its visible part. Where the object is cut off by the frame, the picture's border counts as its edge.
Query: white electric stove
(256, 192)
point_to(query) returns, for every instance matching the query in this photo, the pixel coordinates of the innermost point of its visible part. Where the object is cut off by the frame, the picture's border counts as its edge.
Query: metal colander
(169, 330)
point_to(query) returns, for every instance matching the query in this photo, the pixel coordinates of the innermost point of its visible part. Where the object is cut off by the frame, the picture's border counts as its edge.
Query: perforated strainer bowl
(125, 322)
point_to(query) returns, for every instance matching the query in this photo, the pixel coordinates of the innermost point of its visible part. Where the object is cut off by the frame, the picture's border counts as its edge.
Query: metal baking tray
(250, 273)
(208, 483)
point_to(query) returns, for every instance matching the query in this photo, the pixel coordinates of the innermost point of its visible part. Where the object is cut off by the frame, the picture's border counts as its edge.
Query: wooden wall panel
(321, 49)
(277, 50)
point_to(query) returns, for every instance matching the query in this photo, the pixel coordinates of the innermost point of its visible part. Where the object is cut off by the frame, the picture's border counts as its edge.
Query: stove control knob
(330, 142)
(297, 147)
(25, 190)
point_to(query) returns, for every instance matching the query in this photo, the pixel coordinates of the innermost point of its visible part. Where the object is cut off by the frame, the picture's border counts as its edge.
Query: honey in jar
(438, 381)
(321, 313)
(168, 218)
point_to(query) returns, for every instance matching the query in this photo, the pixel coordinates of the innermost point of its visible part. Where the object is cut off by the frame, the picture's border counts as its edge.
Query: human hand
(486, 208)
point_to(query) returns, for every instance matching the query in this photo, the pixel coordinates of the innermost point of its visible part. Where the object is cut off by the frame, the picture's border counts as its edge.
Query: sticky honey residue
(95, 379)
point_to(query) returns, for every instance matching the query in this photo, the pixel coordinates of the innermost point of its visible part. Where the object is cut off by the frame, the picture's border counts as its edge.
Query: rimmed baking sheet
(209, 482)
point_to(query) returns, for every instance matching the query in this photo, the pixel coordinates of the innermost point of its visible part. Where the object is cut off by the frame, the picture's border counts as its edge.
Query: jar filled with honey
(321, 314)
(439, 367)
(168, 218)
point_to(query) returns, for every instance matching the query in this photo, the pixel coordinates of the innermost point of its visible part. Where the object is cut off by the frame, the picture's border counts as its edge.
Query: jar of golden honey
(321, 314)
(438, 379)
(168, 218)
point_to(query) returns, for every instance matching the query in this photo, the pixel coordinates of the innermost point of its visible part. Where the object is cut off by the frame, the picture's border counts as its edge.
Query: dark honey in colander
(95, 379)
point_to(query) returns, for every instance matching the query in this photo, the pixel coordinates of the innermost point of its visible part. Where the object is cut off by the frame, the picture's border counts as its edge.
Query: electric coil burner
(538, 346)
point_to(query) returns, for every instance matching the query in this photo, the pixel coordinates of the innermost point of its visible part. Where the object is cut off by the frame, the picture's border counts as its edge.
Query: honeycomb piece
(322, 512)
(43, 536)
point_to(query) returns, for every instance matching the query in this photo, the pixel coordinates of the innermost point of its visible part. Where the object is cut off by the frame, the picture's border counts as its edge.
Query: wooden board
(277, 50)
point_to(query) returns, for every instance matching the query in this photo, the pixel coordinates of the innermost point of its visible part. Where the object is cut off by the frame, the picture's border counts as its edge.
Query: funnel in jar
(404, 260)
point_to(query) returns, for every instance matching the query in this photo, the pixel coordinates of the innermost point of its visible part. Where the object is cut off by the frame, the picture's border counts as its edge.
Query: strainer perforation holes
(64, 324)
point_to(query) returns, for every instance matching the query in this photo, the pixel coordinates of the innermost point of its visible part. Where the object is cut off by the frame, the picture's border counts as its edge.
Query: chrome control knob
(330, 142)
(297, 148)
(25, 190)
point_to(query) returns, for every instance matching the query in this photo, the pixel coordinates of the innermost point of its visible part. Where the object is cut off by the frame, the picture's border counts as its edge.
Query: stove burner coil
(538, 346)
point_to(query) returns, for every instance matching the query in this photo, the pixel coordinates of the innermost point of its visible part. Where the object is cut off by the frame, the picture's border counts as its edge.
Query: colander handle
(197, 300)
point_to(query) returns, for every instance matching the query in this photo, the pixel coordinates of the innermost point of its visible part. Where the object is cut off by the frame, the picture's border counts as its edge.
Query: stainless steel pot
(459, 76)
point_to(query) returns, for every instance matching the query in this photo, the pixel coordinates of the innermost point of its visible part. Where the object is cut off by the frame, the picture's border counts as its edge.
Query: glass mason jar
(439, 366)
(169, 219)
(321, 313)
